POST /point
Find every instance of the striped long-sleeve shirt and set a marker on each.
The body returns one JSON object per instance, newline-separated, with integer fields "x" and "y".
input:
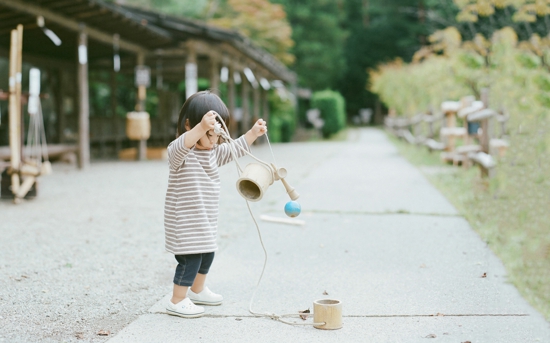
{"x": 192, "y": 198}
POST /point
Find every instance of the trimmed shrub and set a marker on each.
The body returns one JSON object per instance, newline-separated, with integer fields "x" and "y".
{"x": 282, "y": 119}
{"x": 333, "y": 110}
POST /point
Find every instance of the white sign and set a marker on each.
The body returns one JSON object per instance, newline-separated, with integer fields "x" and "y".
{"x": 143, "y": 76}
{"x": 34, "y": 90}
{"x": 191, "y": 83}
{"x": 82, "y": 54}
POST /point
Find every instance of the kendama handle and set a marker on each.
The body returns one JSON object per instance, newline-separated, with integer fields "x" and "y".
{"x": 290, "y": 190}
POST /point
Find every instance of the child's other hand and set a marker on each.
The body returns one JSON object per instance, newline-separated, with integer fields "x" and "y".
{"x": 208, "y": 121}
{"x": 259, "y": 128}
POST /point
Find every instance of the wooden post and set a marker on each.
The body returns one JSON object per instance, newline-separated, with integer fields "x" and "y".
{"x": 140, "y": 107}
{"x": 116, "y": 122}
{"x": 265, "y": 105}
{"x": 244, "y": 100}
{"x": 378, "y": 116}
{"x": 214, "y": 75}
{"x": 191, "y": 72}
{"x": 485, "y": 138}
{"x": 83, "y": 101}
{"x": 255, "y": 103}
{"x": 18, "y": 79}
{"x": 450, "y": 121}
{"x": 14, "y": 115}
{"x": 231, "y": 99}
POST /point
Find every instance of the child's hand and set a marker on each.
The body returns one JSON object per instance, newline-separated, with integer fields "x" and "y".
{"x": 208, "y": 121}
{"x": 259, "y": 128}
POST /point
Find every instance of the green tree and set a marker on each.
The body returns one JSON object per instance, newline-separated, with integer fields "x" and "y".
{"x": 320, "y": 38}
{"x": 261, "y": 21}
{"x": 380, "y": 31}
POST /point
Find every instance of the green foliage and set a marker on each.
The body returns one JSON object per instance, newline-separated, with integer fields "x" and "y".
{"x": 282, "y": 119}
{"x": 264, "y": 23}
{"x": 333, "y": 110}
{"x": 319, "y": 37}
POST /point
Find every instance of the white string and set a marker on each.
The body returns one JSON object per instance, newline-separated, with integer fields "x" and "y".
{"x": 225, "y": 134}
{"x": 269, "y": 145}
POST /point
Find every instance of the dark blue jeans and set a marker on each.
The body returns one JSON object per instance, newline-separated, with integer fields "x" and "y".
{"x": 190, "y": 265}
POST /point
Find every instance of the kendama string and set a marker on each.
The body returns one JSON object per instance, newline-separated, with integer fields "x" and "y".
{"x": 232, "y": 144}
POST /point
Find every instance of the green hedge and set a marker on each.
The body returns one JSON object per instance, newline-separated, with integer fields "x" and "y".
{"x": 282, "y": 119}
{"x": 333, "y": 110}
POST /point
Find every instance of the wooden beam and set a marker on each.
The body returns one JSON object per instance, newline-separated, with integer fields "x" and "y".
{"x": 231, "y": 99}
{"x": 25, "y": 7}
{"x": 84, "y": 103}
{"x": 191, "y": 71}
{"x": 214, "y": 74}
{"x": 14, "y": 116}
{"x": 140, "y": 107}
{"x": 244, "y": 104}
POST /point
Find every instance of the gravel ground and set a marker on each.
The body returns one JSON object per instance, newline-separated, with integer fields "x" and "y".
{"x": 87, "y": 255}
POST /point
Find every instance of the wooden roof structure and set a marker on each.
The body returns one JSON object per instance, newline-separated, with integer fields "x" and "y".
{"x": 96, "y": 34}
{"x": 138, "y": 31}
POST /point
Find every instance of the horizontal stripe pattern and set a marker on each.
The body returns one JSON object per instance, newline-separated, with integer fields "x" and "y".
{"x": 191, "y": 205}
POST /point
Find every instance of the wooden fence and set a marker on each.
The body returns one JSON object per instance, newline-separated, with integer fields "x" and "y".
{"x": 480, "y": 139}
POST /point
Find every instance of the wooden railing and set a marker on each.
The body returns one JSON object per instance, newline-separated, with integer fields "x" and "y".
{"x": 482, "y": 134}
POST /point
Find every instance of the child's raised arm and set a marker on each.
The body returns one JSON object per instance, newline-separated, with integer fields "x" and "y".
{"x": 179, "y": 148}
{"x": 259, "y": 129}
{"x": 192, "y": 135}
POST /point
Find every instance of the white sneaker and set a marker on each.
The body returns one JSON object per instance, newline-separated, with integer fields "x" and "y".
{"x": 184, "y": 308}
{"x": 206, "y": 297}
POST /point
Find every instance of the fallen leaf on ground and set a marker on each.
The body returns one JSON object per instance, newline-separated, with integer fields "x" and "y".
{"x": 104, "y": 333}
{"x": 304, "y": 317}
{"x": 440, "y": 314}
{"x": 432, "y": 335}
{"x": 325, "y": 293}
{"x": 484, "y": 275}
{"x": 467, "y": 342}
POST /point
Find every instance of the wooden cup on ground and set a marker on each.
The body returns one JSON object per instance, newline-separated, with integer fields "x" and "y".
{"x": 329, "y": 312}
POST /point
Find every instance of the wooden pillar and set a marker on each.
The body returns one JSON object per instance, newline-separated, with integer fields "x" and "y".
{"x": 255, "y": 103}
{"x": 114, "y": 104}
{"x": 14, "y": 114}
{"x": 142, "y": 90}
{"x": 231, "y": 99}
{"x": 83, "y": 101}
{"x": 450, "y": 122}
{"x": 245, "y": 108}
{"x": 58, "y": 94}
{"x": 214, "y": 75}
{"x": 265, "y": 105}
{"x": 486, "y": 128}
{"x": 140, "y": 107}
{"x": 191, "y": 71}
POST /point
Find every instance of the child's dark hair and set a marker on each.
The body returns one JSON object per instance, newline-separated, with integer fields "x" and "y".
{"x": 197, "y": 105}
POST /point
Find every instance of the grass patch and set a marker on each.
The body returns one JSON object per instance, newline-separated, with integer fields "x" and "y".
{"x": 506, "y": 211}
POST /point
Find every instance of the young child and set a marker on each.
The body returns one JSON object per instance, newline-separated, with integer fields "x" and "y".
{"x": 192, "y": 199}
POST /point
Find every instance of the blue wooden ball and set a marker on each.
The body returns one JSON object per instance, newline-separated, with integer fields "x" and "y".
{"x": 293, "y": 209}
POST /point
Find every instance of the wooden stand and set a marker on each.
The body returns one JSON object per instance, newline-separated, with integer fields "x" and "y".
{"x": 329, "y": 312}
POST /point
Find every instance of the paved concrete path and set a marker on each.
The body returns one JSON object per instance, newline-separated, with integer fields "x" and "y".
{"x": 378, "y": 237}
